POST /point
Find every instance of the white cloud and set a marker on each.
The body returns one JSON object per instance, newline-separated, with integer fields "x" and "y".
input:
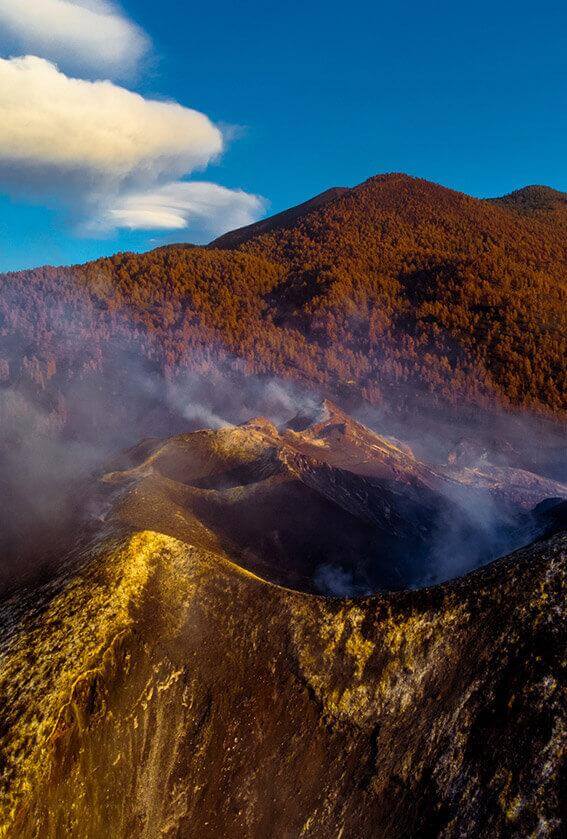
{"x": 68, "y": 125}
{"x": 112, "y": 157}
{"x": 89, "y": 35}
{"x": 212, "y": 208}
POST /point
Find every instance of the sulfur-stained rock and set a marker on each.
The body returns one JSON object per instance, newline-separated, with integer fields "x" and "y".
{"x": 158, "y": 689}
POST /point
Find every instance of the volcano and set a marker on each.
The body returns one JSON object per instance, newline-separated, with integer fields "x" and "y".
{"x": 324, "y": 504}
{"x": 283, "y": 527}
{"x": 241, "y": 643}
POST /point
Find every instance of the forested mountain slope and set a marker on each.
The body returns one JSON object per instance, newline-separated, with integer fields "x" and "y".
{"x": 397, "y": 290}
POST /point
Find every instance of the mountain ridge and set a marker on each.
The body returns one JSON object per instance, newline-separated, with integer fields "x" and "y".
{"x": 235, "y": 237}
{"x": 531, "y": 196}
{"x": 414, "y": 285}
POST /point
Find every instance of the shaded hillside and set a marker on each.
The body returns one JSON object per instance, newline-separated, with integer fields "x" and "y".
{"x": 399, "y": 292}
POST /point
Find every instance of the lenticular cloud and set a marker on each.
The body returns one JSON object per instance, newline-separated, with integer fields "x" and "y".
{"x": 212, "y": 208}
{"x": 52, "y": 121}
{"x": 114, "y": 158}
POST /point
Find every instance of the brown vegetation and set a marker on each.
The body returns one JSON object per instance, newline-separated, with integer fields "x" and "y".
{"x": 395, "y": 287}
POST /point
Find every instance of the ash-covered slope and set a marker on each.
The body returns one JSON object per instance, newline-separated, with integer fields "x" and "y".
{"x": 156, "y": 689}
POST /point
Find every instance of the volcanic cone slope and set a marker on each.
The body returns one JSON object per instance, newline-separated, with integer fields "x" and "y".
{"x": 155, "y": 689}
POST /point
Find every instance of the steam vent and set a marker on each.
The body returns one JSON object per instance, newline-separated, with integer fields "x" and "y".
{"x": 294, "y": 631}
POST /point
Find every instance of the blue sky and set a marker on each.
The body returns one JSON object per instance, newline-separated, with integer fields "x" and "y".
{"x": 308, "y": 95}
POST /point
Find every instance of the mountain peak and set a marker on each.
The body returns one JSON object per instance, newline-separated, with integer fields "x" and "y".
{"x": 533, "y": 198}
{"x": 400, "y": 182}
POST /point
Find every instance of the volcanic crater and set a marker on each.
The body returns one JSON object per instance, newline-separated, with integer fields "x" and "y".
{"x": 325, "y": 505}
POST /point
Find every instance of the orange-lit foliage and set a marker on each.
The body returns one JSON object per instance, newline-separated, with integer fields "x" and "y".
{"x": 398, "y": 286}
